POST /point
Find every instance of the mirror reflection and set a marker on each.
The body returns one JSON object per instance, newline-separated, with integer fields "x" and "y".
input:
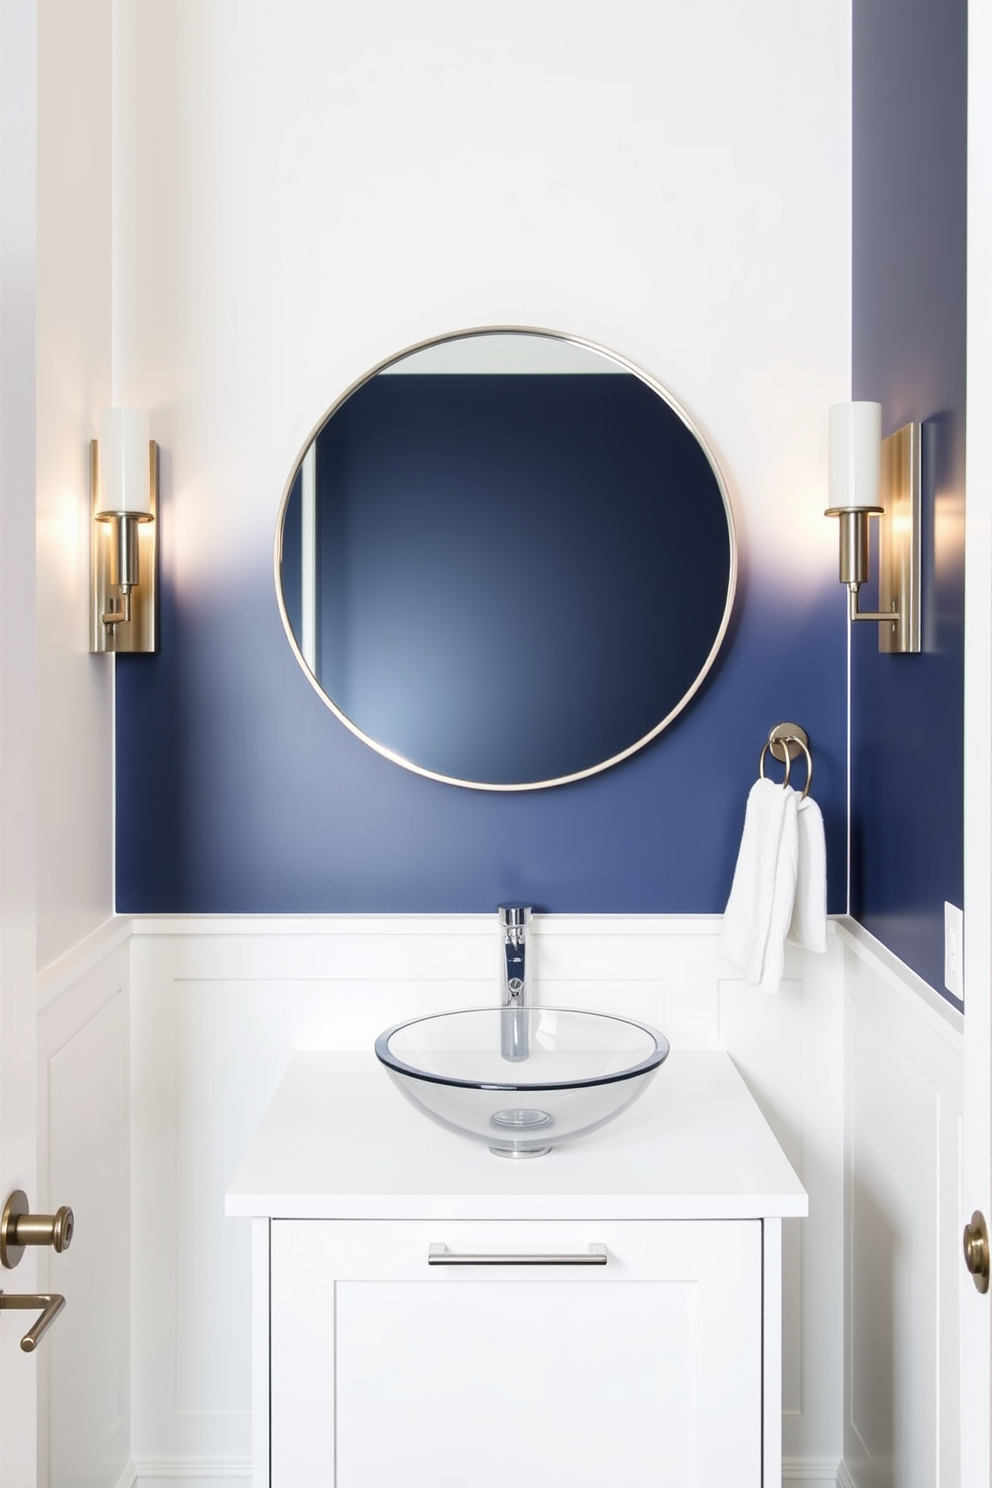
{"x": 506, "y": 559}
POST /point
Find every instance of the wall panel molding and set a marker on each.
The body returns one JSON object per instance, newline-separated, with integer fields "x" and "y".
{"x": 218, "y": 1007}
{"x": 814, "y": 1472}
{"x": 189, "y": 1474}
{"x": 213, "y": 1009}
{"x": 903, "y": 1105}
{"x": 166, "y": 1474}
{"x": 66, "y": 974}
{"x": 927, "y": 1008}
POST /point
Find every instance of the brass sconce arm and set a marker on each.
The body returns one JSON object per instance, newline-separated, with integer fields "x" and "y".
{"x": 853, "y": 613}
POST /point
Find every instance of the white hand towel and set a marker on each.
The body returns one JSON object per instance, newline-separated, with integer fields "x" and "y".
{"x": 809, "y": 914}
{"x": 759, "y": 910}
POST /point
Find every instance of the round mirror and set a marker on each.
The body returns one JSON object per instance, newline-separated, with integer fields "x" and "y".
{"x": 506, "y": 559}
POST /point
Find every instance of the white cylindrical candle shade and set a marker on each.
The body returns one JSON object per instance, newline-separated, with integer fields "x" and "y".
{"x": 855, "y": 454}
{"x": 123, "y": 462}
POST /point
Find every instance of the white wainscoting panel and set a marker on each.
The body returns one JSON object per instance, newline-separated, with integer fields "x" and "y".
{"x": 218, "y": 1007}
{"x": 903, "y": 1225}
{"x": 788, "y": 1048}
{"x": 84, "y": 1108}
{"x": 211, "y": 1010}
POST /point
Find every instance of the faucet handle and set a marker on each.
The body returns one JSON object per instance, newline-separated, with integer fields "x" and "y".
{"x": 514, "y": 914}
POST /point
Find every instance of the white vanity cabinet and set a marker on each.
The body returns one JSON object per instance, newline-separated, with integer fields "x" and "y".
{"x": 426, "y": 1315}
{"x": 388, "y": 1371}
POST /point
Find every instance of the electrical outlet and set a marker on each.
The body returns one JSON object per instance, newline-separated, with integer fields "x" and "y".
{"x": 954, "y": 950}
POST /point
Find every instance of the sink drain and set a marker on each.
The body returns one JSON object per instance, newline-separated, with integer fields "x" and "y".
{"x": 521, "y": 1120}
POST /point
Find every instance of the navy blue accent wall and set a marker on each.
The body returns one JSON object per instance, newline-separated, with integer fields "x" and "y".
{"x": 910, "y": 83}
{"x": 264, "y": 802}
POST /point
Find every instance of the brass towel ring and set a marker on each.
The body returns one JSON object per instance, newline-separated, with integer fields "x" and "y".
{"x": 786, "y": 741}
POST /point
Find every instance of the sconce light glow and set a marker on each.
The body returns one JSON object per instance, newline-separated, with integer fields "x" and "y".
{"x": 123, "y": 539}
{"x": 864, "y": 472}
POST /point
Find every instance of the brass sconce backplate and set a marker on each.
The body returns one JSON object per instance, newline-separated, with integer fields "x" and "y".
{"x": 140, "y": 632}
{"x": 900, "y": 540}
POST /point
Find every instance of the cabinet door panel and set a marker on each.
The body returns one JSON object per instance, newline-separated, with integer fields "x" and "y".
{"x": 645, "y": 1373}
{"x": 514, "y": 1384}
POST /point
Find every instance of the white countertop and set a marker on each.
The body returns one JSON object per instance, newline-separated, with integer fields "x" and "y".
{"x": 339, "y": 1141}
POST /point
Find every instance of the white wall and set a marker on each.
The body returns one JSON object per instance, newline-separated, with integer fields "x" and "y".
{"x": 75, "y": 738}
{"x": 304, "y": 188}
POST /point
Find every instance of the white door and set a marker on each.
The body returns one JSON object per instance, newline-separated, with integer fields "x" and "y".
{"x": 18, "y": 1370}
{"x": 976, "y": 1373}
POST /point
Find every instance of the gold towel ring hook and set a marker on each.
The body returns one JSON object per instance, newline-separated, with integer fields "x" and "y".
{"x": 786, "y": 741}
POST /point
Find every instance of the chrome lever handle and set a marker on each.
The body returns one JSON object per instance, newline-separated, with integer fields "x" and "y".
{"x": 19, "y": 1227}
{"x": 440, "y": 1255}
{"x": 52, "y": 1304}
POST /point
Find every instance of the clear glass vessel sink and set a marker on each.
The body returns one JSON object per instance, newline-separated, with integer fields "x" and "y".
{"x": 582, "y": 1070}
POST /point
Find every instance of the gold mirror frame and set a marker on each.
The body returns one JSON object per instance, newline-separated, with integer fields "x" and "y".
{"x": 627, "y": 366}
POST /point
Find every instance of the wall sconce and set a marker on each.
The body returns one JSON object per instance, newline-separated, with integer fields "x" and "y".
{"x": 872, "y": 477}
{"x": 123, "y": 534}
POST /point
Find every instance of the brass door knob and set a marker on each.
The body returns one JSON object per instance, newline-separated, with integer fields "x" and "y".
{"x": 19, "y": 1227}
{"x": 976, "y": 1250}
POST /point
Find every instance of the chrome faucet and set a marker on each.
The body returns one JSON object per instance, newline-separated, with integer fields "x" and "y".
{"x": 514, "y": 981}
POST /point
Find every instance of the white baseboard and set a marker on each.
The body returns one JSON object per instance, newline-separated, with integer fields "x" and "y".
{"x": 815, "y": 1472}
{"x": 172, "y": 1474}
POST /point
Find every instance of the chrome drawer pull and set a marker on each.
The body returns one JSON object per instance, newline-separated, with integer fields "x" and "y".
{"x": 440, "y": 1255}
